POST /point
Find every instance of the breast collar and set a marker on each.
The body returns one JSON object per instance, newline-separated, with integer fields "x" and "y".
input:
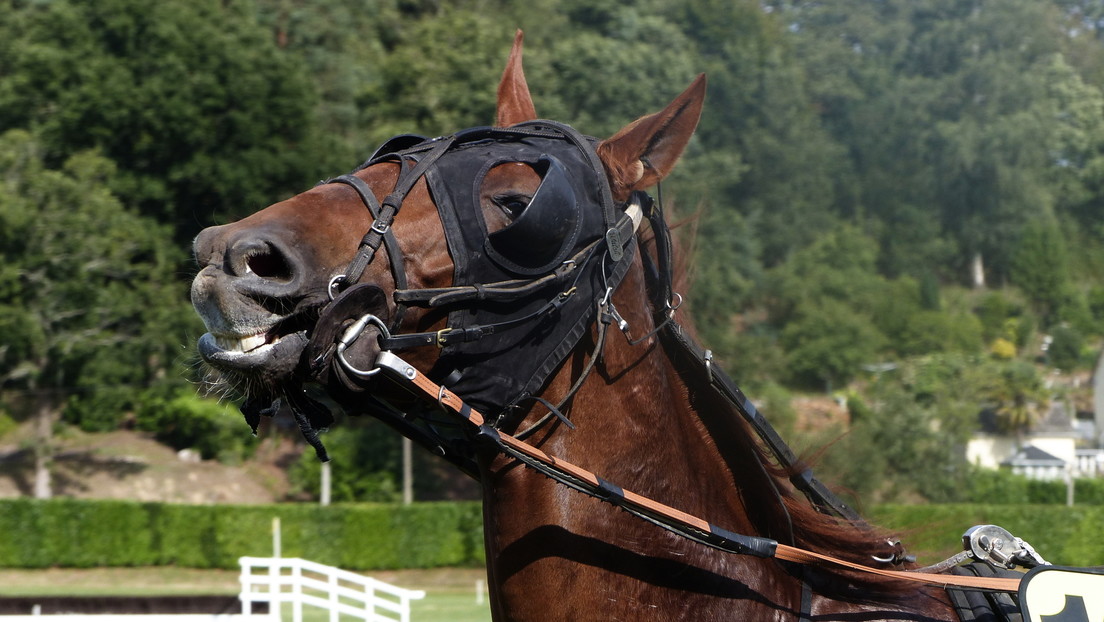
{"x": 523, "y": 296}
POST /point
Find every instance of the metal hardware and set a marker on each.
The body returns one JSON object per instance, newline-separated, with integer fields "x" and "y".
{"x": 350, "y": 336}
{"x": 997, "y": 547}
{"x": 439, "y": 339}
{"x": 334, "y": 283}
{"x": 387, "y": 361}
{"x": 674, "y": 303}
{"x": 614, "y": 244}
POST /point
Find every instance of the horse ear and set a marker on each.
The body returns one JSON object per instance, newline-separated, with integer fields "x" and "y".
{"x": 646, "y": 150}
{"x": 514, "y": 102}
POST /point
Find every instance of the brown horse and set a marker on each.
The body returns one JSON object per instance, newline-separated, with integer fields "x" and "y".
{"x": 535, "y": 274}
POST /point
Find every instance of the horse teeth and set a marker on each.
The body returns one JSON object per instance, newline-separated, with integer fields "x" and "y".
{"x": 241, "y": 344}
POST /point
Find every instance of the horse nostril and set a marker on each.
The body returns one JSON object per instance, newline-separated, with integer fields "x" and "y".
{"x": 258, "y": 256}
{"x": 268, "y": 265}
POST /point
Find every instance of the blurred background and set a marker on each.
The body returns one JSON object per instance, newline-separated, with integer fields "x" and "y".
{"x": 893, "y": 212}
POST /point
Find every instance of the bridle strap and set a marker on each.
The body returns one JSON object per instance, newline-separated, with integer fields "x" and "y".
{"x": 369, "y": 244}
{"x": 507, "y": 291}
{"x": 667, "y": 517}
{"x": 384, "y": 213}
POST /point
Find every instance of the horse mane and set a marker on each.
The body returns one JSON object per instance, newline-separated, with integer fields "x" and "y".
{"x": 773, "y": 505}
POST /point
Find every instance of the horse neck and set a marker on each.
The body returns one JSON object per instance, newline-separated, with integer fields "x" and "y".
{"x": 555, "y": 554}
{"x": 636, "y": 424}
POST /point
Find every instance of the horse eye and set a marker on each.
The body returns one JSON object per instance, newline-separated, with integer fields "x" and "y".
{"x": 512, "y": 204}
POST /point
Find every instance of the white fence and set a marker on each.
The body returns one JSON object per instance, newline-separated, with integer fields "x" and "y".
{"x": 291, "y": 581}
{"x": 299, "y": 582}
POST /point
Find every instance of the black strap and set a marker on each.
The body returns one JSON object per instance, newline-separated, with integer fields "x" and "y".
{"x": 659, "y": 283}
{"x": 983, "y": 606}
{"x": 388, "y": 209}
{"x": 447, "y": 336}
{"x": 806, "y": 599}
{"x": 394, "y": 251}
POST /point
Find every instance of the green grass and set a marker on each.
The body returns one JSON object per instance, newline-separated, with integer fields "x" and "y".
{"x": 450, "y": 592}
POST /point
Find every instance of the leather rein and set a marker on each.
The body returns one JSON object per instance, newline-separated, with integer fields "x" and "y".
{"x": 667, "y": 517}
{"x": 486, "y": 433}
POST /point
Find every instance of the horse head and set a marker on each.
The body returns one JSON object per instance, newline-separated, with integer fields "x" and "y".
{"x": 427, "y": 243}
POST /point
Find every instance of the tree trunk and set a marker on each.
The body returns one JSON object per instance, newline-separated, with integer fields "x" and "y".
{"x": 43, "y": 446}
{"x": 977, "y": 272}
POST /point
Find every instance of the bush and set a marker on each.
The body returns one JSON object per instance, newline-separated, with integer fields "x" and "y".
{"x": 83, "y": 534}
{"x": 928, "y": 332}
{"x": 1002, "y": 349}
{"x": 1065, "y": 349}
{"x": 1065, "y": 536}
{"x": 365, "y": 467}
{"x": 187, "y": 421}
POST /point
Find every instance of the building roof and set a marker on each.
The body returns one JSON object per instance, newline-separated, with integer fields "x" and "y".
{"x": 1029, "y": 455}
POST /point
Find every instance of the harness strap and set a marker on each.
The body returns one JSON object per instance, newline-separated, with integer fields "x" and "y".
{"x": 385, "y": 213}
{"x": 664, "y": 516}
{"x": 369, "y": 244}
{"x": 446, "y": 295}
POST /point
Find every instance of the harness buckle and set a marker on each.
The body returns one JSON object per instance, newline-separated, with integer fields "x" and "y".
{"x": 380, "y": 227}
{"x": 439, "y": 340}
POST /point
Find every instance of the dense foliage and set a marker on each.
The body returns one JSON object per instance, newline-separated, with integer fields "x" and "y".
{"x": 909, "y": 186}
{"x": 72, "y": 533}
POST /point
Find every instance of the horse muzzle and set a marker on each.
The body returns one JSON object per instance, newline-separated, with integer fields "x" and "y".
{"x": 258, "y": 299}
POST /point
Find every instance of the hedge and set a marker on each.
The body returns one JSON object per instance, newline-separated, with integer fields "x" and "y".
{"x": 991, "y": 486}
{"x": 78, "y": 533}
{"x": 82, "y": 534}
{"x": 1071, "y": 536}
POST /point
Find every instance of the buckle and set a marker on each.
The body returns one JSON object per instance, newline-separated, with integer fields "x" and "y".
{"x": 439, "y": 340}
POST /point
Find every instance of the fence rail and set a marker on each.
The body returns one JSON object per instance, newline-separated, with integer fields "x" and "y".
{"x": 299, "y": 582}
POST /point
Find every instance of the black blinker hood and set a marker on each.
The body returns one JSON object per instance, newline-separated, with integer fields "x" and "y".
{"x": 571, "y": 209}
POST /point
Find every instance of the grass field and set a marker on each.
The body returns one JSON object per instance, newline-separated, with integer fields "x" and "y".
{"x": 450, "y": 592}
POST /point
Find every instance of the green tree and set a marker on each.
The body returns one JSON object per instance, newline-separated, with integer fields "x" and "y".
{"x": 909, "y": 431}
{"x": 1040, "y": 267}
{"x": 958, "y": 137}
{"x": 1018, "y": 396}
{"x": 785, "y": 173}
{"x": 827, "y": 343}
{"x": 365, "y": 464}
{"x": 204, "y": 117}
{"x": 88, "y": 295}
